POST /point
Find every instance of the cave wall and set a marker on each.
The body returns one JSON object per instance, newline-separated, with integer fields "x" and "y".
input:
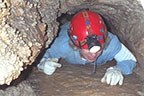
{"x": 21, "y": 37}
{"x": 28, "y": 26}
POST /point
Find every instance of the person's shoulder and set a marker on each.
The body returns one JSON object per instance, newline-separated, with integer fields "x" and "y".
{"x": 112, "y": 35}
{"x": 64, "y": 30}
{"x": 65, "y": 25}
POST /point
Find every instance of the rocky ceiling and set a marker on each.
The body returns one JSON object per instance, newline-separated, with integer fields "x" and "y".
{"x": 28, "y": 26}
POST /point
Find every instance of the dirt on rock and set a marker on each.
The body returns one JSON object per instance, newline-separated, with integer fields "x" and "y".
{"x": 78, "y": 80}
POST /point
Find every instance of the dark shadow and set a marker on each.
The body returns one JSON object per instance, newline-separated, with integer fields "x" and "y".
{"x": 23, "y": 76}
{"x": 25, "y": 73}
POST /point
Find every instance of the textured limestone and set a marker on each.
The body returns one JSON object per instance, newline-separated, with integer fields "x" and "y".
{"x": 49, "y": 10}
{"x": 21, "y": 37}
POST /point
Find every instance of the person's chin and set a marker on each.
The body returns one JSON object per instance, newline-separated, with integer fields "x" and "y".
{"x": 91, "y": 60}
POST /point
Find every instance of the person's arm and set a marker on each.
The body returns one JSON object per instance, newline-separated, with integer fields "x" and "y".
{"x": 49, "y": 61}
{"x": 126, "y": 61}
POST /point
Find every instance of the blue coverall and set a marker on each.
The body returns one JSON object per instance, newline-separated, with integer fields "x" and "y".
{"x": 60, "y": 48}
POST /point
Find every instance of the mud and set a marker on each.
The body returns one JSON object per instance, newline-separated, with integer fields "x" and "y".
{"x": 78, "y": 80}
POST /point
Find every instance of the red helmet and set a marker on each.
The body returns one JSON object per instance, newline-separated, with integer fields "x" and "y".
{"x": 86, "y": 28}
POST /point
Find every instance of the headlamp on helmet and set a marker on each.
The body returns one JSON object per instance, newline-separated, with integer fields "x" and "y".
{"x": 93, "y": 44}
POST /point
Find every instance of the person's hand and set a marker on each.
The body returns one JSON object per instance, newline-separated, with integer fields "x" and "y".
{"x": 48, "y": 66}
{"x": 113, "y": 76}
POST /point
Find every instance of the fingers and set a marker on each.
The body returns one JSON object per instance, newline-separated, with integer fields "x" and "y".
{"x": 103, "y": 80}
{"x": 53, "y": 64}
{"x": 53, "y": 59}
{"x": 121, "y": 80}
{"x": 112, "y": 77}
{"x": 50, "y": 67}
{"x": 114, "y": 80}
{"x": 56, "y": 64}
{"x": 109, "y": 78}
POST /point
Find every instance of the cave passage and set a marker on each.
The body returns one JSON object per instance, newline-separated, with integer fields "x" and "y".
{"x": 30, "y": 26}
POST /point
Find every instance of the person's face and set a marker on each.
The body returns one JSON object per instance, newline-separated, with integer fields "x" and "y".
{"x": 89, "y": 56}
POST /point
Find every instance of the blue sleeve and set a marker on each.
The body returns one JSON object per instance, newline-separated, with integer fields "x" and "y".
{"x": 126, "y": 66}
{"x": 126, "y": 61}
